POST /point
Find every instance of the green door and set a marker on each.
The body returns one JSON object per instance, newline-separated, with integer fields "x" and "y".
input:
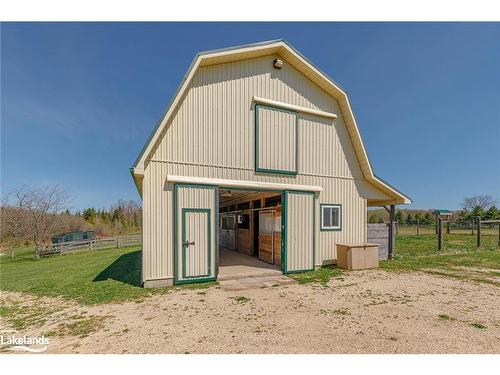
{"x": 195, "y": 233}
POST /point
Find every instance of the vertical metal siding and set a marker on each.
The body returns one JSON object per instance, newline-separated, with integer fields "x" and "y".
{"x": 299, "y": 232}
{"x": 212, "y": 135}
{"x": 277, "y": 146}
{"x": 214, "y": 125}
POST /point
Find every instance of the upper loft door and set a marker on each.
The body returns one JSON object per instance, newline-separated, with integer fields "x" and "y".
{"x": 276, "y": 136}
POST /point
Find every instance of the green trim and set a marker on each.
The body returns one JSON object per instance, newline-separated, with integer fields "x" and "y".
{"x": 256, "y": 142}
{"x": 284, "y": 231}
{"x": 339, "y": 205}
{"x": 208, "y": 211}
{"x": 284, "y": 239}
{"x": 176, "y": 226}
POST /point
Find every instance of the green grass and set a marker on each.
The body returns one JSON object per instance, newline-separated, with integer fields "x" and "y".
{"x": 241, "y": 299}
{"x": 459, "y": 253}
{"x": 320, "y": 276}
{"x": 81, "y": 327}
{"x": 103, "y": 276}
{"x": 444, "y": 317}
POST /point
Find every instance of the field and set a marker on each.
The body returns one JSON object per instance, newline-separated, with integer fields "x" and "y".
{"x": 423, "y": 301}
{"x": 102, "y": 276}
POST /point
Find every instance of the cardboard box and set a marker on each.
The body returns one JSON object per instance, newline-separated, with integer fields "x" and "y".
{"x": 357, "y": 257}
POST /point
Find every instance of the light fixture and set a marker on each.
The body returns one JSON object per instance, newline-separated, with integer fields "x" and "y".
{"x": 278, "y": 63}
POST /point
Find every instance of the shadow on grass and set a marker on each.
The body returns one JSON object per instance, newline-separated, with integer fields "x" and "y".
{"x": 126, "y": 269}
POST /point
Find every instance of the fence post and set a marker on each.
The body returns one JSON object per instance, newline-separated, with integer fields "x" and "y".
{"x": 472, "y": 226}
{"x": 440, "y": 233}
{"x": 478, "y": 240}
{"x": 418, "y": 227}
{"x": 117, "y": 242}
{"x": 448, "y": 227}
{"x": 90, "y": 243}
{"x": 391, "y": 246}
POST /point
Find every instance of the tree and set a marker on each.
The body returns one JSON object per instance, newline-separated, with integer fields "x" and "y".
{"x": 419, "y": 217}
{"x": 428, "y": 219}
{"x": 409, "y": 219}
{"x": 374, "y": 219}
{"x": 35, "y": 213}
{"x": 492, "y": 214}
{"x": 399, "y": 217}
{"x": 480, "y": 201}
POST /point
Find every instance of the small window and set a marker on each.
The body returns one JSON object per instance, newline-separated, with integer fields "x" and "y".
{"x": 331, "y": 217}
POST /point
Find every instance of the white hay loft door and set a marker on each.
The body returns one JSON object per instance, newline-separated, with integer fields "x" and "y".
{"x": 195, "y": 233}
{"x": 299, "y": 227}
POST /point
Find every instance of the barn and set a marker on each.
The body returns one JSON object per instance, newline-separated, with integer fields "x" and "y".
{"x": 256, "y": 164}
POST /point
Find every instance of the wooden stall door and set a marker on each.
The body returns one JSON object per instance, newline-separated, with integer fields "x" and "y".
{"x": 266, "y": 234}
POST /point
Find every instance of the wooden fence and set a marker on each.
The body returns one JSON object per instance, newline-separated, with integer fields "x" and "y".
{"x": 91, "y": 245}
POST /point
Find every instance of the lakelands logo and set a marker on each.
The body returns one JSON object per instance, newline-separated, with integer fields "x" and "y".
{"x": 25, "y": 343}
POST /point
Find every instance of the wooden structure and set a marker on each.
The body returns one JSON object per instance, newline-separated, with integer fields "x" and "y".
{"x": 241, "y": 124}
{"x": 250, "y": 223}
{"x": 90, "y": 244}
{"x": 478, "y": 232}
{"x": 444, "y": 214}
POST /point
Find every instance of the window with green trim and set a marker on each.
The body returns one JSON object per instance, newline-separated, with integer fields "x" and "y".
{"x": 331, "y": 217}
{"x": 275, "y": 140}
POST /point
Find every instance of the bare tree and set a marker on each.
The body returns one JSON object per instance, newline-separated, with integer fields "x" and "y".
{"x": 481, "y": 201}
{"x": 34, "y": 214}
{"x": 12, "y": 228}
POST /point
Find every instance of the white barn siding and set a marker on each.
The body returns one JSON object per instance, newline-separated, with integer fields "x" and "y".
{"x": 211, "y": 134}
{"x": 277, "y": 139}
{"x": 214, "y": 125}
{"x": 299, "y": 240}
{"x": 158, "y": 220}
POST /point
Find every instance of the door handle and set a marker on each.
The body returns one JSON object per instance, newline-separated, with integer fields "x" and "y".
{"x": 187, "y": 243}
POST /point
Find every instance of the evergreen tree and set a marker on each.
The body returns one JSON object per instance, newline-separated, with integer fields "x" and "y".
{"x": 399, "y": 217}
{"x": 493, "y": 213}
{"x": 409, "y": 219}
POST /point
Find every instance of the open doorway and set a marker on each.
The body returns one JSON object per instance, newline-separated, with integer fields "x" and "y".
{"x": 249, "y": 232}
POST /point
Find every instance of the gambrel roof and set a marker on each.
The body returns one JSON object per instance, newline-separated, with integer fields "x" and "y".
{"x": 303, "y": 65}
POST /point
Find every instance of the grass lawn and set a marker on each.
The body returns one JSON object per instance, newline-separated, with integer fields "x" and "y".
{"x": 459, "y": 259}
{"x": 102, "y": 276}
{"x": 114, "y": 275}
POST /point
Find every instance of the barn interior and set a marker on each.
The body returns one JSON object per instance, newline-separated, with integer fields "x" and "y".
{"x": 249, "y": 233}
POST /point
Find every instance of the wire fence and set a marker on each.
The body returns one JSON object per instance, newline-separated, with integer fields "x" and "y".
{"x": 487, "y": 229}
{"x": 484, "y": 234}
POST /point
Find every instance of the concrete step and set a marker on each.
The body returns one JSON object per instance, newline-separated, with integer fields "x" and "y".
{"x": 255, "y": 282}
{"x": 250, "y": 274}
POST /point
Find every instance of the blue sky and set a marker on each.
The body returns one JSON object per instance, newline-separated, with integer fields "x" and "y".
{"x": 79, "y": 100}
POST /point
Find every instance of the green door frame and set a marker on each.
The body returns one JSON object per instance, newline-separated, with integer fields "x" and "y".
{"x": 176, "y": 226}
{"x": 284, "y": 214}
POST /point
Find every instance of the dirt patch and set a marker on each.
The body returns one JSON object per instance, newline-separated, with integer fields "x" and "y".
{"x": 364, "y": 312}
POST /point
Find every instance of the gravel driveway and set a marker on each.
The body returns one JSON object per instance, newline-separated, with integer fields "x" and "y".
{"x": 365, "y": 312}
